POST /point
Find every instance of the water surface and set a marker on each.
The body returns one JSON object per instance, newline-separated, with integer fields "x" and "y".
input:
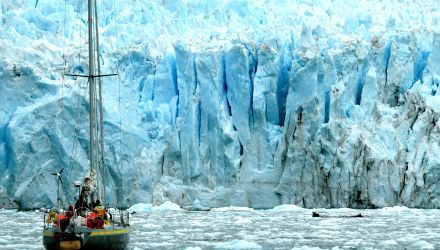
{"x": 392, "y": 228}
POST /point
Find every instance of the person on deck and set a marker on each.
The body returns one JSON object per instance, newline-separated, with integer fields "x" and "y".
{"x": 64, "y": 219}
{"x": 98, "y": 205}
{"x": 95, "y": 220}
{"x": 81, "y": 205}
{"x": 70, "y": 212}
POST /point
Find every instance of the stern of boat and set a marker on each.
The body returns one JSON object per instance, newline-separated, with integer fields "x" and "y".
{"x": 114, "y": 236}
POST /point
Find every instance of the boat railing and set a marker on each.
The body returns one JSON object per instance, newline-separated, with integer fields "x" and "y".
{"x": 118, "y": 217}
{"x": 115, "y": 217}
{"x": 47, "y": 225}
{"x": 125, "y": 218}
{"x": 52, "y": 219}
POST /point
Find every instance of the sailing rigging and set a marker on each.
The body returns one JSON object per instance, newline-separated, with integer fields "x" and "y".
{"x": 91, "y": 224}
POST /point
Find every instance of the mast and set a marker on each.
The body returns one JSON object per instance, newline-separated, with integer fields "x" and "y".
{"x": 91, "y": 93}
{"x": 101, "y": 113}
{"x": 96, "y": 145}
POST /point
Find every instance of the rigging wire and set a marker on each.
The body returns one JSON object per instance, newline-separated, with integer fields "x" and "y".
{"x": 62, "y": 74}
{"x": 97, "y": 107}
{"x": 80, "y": 92}
{"x": 120, "y": 132}
{"x": 120, "y": 136}
{"x": 94, "y": 167}
{"x": 78, "y": 114}
{"x": 119, "y": 103}
{"x": 100, "y": 103}
{"x": 80, "y": 30}
{"x": 96, "y": 145}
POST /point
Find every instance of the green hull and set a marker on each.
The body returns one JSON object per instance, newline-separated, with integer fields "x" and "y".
{"x": 103, "y": 239}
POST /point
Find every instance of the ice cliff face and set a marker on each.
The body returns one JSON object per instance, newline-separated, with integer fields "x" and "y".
{"x": 256, "y": 104}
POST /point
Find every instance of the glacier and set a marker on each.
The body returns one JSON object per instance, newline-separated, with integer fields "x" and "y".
{"x": 227, "y": 103}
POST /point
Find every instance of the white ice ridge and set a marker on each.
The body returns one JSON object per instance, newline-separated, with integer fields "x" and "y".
{"x": 231, "y": 103}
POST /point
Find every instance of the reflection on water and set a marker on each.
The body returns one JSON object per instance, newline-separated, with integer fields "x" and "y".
{"x": 394, "y": 228}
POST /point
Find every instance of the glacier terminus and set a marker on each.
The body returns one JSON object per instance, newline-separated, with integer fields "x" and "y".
{"x": 227, "y": 102}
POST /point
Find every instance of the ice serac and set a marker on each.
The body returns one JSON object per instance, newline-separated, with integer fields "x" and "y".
{"x": 219, "y": 145}
{"x": 189, "y": 113}
{"x": 232, "y": 103}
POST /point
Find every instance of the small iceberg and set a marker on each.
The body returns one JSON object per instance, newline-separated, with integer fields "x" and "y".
{"x": 285, "y": 208}
{"x": 421, "y": 244}
{"x": 396, "y": 209}
{"x": 193, "y": 248}
{"x": 167, "y": 206}
{"x": 140, "y": 207}
{"x": 238, "y": 244}
{"x": 232, "y": 208}
{"x": 197, "y": 207}
{"x": 388, "y": 244}
{"x": 147, "y": 207}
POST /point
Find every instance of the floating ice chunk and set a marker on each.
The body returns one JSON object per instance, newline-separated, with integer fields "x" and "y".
{"x": 238, "y": 244}
{"x": 197, "y": 204}
{"x": 231, "y": 208}
{"x": 420, "y": 244}
{"x": 396, "y": 209}
{"x": 340, "y": 210}
{"x": 167, "y": 206}
{"x": 306, "y": 248}
{"x": 140, "y": 207}
{"x": 162, "y": 244}
{"x": 388, "y": 244}
{"x": 193, "y": 248}
{"x": 285, "y": 207}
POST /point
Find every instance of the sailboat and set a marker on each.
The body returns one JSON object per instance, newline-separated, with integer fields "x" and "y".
{"x": 89, "y": 224}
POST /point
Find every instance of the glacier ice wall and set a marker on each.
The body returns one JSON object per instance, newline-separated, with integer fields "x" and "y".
{"x": 234, "y": 102}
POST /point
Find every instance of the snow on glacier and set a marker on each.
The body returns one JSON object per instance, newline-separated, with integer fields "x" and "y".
{"x": 231, "y": 103}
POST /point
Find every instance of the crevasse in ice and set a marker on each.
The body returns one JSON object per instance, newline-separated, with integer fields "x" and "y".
{"x": 231, "y": 103}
